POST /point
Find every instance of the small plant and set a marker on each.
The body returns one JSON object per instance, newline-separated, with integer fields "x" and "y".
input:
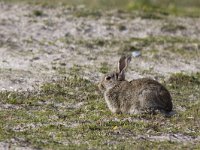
{"x": 88, "y": 13}
{"x": 122, "y": 27}
{"x": 173, "y": 28}
{"x": 104, "y": 68}
{"x": 38, "y": 13}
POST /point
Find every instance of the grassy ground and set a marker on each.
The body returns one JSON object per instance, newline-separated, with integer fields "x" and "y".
{"x": 70, "y": 113}
{"x": 151, "y": 7}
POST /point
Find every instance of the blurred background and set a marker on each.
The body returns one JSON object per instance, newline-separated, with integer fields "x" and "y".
{"x": 119, "y": 3}
{"x": 190, "y": 7}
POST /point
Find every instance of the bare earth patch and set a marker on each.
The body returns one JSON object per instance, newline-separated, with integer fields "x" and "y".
{"x": 35, "y": 48}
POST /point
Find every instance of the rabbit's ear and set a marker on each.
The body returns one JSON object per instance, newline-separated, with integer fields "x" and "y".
{"x": 122, "y": 65}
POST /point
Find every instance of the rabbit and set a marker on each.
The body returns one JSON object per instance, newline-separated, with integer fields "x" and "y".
{"x": 134, "y": 97}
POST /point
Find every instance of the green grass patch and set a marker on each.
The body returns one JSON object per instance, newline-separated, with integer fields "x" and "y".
{"x": 152, "y": 9}
{"x": 87, "y": 13}
{"x": 72, "y": 113}
{"x": 172, "y": 28}
{"x": 185, "y": 47}
{"x": 180, "y": 46}
{"x": 104, "y": 68}
{"x": 184, "y": 89}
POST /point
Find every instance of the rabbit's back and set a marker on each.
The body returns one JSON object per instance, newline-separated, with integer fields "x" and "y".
{"x": 151, "y": 95}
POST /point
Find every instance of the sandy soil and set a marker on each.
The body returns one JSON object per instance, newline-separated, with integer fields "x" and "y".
{"x": 32, "y": 48}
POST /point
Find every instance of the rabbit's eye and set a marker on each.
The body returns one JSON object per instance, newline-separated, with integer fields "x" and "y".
{"x": 108, "y": 78}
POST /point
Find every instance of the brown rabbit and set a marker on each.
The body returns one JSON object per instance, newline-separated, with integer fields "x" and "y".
{"x": 136, "y": 96}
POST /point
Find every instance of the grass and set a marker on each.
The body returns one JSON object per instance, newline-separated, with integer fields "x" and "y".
{"x": 126, "y": 43}
{"x": 172, "y": 28}
{"x": 38, "y": 13}
{"x": 151, "y": 8}
{"x": 181, "y": 46}
{"x": 88, "y": 13}
{"x": 72, "y": 113}
{"x": 104, "y": 68}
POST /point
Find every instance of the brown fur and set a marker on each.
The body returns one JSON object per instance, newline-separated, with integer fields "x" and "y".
{"x": 136, "y": 96}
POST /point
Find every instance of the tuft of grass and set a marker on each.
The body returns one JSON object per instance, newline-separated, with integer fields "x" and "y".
{"x": 88, "y": 13}
{"x": 76, "y": 69}
{"x": 104, "y": 68}
{"x": 122, "y": 27}
{"x": 38, "y": 13}
{"x": 173, "y": 28}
